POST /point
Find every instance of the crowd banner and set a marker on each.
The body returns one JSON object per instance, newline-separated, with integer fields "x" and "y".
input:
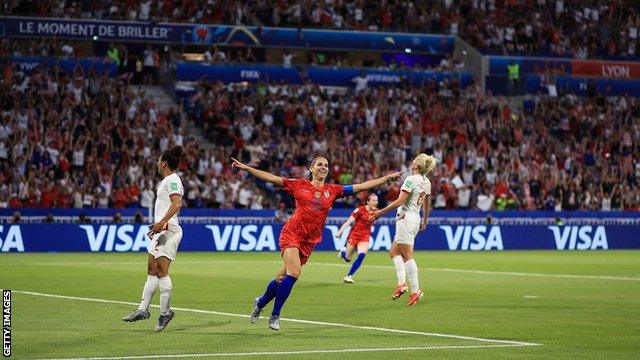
{"x": 239, "y": 231}
{"x": 27, "y": 64}
{"x": 567, "y": 67}
{"x": 581, "y": 86}
{"x": 323, "y": 75}
{"x": 223, "y": 35}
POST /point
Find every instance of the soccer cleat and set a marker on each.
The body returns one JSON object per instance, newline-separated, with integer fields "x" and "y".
{"x": 255, "y": 313}
{"x": 342, "y": 255}
{"x": 274, "y": 322}
{"x": 400, "y": 289}
{"x": 348, "y": 280}
{"x": 137, "y": 315}
{"x": 413, "y": 299}
{"x": 163, "y": 321}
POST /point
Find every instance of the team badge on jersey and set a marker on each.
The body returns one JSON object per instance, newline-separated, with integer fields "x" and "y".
{"x": 317, "y": 194}
{"x": 326, "y": 194}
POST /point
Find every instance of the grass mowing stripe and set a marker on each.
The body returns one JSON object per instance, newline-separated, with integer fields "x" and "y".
{"x": 461, "y": 337}
{"x": 468, "y": 271}
{"x": 508, "y": 273}
{"x": 301, "y": 352}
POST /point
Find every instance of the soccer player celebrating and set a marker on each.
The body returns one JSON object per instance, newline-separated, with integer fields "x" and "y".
{"x": 359, "y": 235}
{"x": 165, "y": 235}
{"x": 303, "y": 231}
{"x": 415, "y": 193}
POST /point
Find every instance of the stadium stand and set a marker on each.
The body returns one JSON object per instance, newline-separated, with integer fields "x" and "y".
{"x": 568, "y": 28}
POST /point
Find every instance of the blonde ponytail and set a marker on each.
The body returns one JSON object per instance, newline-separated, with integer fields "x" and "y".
{"x": 425, "y": 163}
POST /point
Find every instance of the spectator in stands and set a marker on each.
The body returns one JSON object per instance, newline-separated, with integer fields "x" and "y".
{"x": 282, "y": 215}
{"x": 565, "y": 28}
{"x": 487, "y": 146}
{"x": 17, "y": 218}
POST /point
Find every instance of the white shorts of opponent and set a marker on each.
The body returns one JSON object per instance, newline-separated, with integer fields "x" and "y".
{"x": 407, "y": 227}
{"x": 166, "y": 242}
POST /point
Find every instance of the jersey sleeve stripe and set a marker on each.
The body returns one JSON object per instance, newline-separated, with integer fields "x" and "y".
{"x": 406, "y": 191}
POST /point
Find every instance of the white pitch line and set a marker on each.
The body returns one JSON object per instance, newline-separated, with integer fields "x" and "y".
{"x": 140, "y": 262}
{"x": 397, "y": 331}
{"x": 300, "y": 352}
{"x": 507, "y": 273}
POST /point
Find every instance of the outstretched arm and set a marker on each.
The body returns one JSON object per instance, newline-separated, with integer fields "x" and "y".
{"x": 370, "y": 184}
{"x": 345, "y": 226}
{"x": 394, "y": 205}
{"x": 262, "y": 175}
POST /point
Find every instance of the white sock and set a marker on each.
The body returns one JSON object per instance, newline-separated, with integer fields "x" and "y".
{"x": 165, "y": 294}
{"x": 147, "y": 292}
{"x": 400, "y": 271}
{"x": 412, "y": 274}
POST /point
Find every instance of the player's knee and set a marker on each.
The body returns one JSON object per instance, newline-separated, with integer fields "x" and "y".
{"x": 279, "y": 278}
{"x": 294, "y": 271}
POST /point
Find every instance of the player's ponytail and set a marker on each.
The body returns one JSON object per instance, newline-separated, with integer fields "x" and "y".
{"x": 425, "y": 163}
{"x": 172, "y": 156}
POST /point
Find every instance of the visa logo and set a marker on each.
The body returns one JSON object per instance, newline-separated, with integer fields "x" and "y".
{"x": 243, "y": 238}
{"x": 12, "y": 240}
{"x": 117, "y": 237}
{"x": 469, "y": 237}
{"x": 579, "y": 237}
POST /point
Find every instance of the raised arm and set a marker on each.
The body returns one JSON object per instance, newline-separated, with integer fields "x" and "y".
{"x": 344, "y": 226}
{"x": 394, "y": 205}
{"x": 262, "y": 175}
{"x": 370, "y": 184}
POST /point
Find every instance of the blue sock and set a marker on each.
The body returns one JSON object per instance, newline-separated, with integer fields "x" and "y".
{"x": 269, "y": 294}
{"x": 343, "y": 254}
{"x": 283, "y": 293}
{"x": 357, "y": 263}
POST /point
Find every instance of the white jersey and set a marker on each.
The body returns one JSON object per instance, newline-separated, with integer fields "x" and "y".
{"x": 418, "y": 187}
{"x": 168, "y": 186}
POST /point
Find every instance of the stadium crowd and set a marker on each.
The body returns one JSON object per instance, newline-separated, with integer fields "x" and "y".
{"x": 574, "y": 28}
{"x": 86, "y": 140}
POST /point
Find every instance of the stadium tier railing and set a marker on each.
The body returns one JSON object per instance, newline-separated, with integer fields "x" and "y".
{"x": 233, "y": 35}
{"x": 323, "y": 75}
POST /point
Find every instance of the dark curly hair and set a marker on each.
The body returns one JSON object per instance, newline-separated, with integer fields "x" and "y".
{"x": 172, "y": 156}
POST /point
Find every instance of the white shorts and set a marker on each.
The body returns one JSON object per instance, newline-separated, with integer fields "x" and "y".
{"x": 407, "y": 228}
{"x": 166, "y": 243}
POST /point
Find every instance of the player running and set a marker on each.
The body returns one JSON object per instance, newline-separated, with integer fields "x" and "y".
{"x": 359, "y": 235}
{"x": 415, "y": 193}
{"x": 165, "y": 235}
{"x": 303, "y": 231}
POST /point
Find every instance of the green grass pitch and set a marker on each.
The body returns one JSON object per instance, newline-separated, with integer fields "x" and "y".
{"x": 488, "y": 305}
